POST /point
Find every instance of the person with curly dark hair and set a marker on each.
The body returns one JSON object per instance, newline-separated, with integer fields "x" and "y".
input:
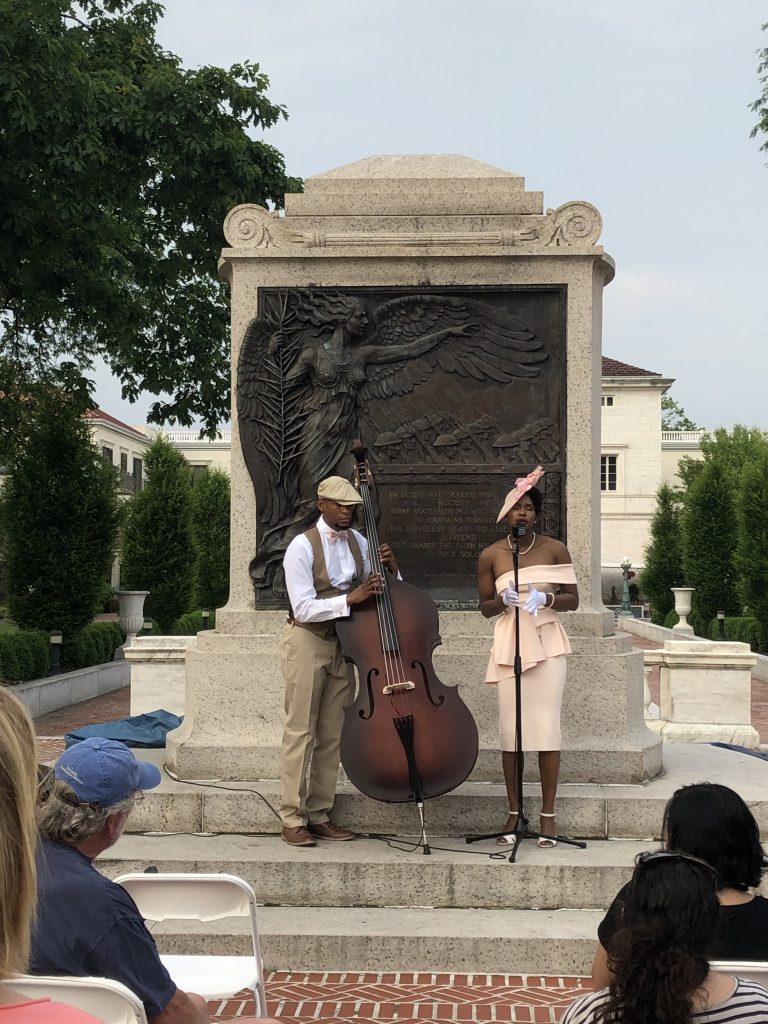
{"x": 711, "y": 822}
{"x": 658, "y": 957}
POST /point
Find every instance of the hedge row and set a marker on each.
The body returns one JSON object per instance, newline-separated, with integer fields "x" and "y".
{"x": 95, "y": 644}
{"x": 742, "y": 628}
{"x": 24, "y": 655}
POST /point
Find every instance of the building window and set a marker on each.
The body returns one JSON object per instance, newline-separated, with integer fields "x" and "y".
{"x": 138, "y": 475}
{"x": 124, "y": 462}
{"x": 106, "y": 454}
{"x": 199, "y": 470}
{"x": 606, "y": 400}
{"x": 608, "y": 472}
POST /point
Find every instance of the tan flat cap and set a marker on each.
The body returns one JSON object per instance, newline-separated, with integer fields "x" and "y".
{"x": 338, "y": 489}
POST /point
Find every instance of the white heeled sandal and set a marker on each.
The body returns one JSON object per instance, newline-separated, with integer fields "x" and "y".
{"x": 546, "y": 842}
{"x": 509, "y": 839}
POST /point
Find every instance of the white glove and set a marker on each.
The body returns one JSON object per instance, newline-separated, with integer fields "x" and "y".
{"x": 536, "y": 599}
{"x": 510, "y": 596}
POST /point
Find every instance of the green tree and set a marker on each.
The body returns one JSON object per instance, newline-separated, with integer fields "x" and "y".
{"x": 673, "y": 415}
{"x": 734, "y": 450}
{"x": 663, "y": 556}
{"x": 752, "y": 546}
{"x": 210, "y": 524}
{"x": 117, "y": 169}
{"x": 58, "y": 517}
{"x": 709, "y": 542}
{"x": 760, "y": 106}
{"x": 158, "y": 543}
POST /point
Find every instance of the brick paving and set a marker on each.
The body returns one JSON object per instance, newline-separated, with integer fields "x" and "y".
{"x": 332, "y": 996}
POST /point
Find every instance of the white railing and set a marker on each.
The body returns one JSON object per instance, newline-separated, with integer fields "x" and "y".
{"x": 691, "y": 437}
{"x": 192, "y": 437}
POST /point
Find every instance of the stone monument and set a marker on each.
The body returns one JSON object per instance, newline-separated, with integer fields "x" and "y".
{"x": 430, "y": 305}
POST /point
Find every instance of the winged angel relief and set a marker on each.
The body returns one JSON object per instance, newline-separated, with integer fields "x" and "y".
{"x": 311, "y": 362}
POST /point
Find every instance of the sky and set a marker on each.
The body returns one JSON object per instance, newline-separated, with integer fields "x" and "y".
{"x": 640, "y": 109}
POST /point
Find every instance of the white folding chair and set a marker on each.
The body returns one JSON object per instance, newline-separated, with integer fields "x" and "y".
{"x": 105, "y": 999}
{"x": 191, "y": 897}
{"x": 749, "y": 970}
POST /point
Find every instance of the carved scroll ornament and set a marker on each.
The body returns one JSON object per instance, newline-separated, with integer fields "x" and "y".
{"x": 573, "y": 224}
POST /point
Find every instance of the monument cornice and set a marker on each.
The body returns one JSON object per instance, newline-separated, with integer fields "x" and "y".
{"x": 570, "y": 230}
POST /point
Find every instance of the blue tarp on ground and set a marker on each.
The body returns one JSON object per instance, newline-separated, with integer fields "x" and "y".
{"x": 147, "y": 730}
{"x": 762, "y": 754}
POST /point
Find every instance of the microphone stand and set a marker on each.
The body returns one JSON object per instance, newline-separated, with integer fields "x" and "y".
{"x": 521, "y": 830}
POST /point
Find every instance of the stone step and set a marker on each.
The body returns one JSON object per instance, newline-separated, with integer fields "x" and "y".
{"x": 375, "y": 873}
{"x": 585, "y": 810}
{"x": 384, "y": 939}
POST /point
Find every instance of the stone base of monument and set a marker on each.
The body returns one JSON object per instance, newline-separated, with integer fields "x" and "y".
{"x": 233, "y": 731}
{"x": 371, "y": 906}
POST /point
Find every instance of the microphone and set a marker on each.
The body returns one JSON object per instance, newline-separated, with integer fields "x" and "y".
{"x": 519, "y": 530}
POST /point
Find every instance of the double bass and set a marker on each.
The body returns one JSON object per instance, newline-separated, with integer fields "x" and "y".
{"x": 407, "y": 736}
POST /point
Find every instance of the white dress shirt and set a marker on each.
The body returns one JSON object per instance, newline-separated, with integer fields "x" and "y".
{"x": 340, "y": 563}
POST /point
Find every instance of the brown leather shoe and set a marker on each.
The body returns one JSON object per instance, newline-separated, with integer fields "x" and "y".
{"x": 297, "y": 836}
{"x": 333, "y": 833}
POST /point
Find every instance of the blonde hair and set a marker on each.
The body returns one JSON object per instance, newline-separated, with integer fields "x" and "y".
{"x": 18, "y": 833}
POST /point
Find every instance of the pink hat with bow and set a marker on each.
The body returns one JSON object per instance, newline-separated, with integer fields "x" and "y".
{"x": 523, "y": 484}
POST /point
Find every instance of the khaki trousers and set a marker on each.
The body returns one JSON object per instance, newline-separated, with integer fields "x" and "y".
{"x": 317, "y": 689}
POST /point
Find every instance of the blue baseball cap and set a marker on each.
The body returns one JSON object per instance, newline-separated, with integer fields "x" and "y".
{"x": 102, "y": 771}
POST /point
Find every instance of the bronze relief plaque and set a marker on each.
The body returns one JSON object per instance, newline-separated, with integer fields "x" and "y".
{"x": 455, "y": 392}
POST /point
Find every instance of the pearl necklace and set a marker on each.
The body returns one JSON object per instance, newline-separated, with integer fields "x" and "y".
{"x": 509, "y": 541}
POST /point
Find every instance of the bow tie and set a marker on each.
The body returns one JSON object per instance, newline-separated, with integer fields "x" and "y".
{"x": 335, "y": 535}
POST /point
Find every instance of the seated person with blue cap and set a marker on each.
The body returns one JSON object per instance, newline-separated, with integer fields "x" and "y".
{"x": 86, "y": 924}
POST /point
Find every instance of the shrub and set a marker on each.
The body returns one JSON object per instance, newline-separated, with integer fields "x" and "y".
{"x": 24, "y": 658}
{"x": 663, "y": 559}
{"x": 158, "y": 544}
{"x": 192, "y": 623}
{"x": 58, "y": 517}
{"x": 744, "y": 629}
{"x": 24, "y": 655}
{"x": 38, "y": 647}
{"x": 9, "y": 665}
{"x": 752, "y": 546}
{"x": 210, "y": 524}
{"x": 695, "y": 620}
{"x": 708, "y": 545}
{"x": 95, "y": 644}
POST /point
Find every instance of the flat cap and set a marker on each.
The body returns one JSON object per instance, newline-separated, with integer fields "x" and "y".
{"x": 338, "y": 489}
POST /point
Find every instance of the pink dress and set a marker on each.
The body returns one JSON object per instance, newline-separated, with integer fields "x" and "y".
{"x": 543, "y": 646}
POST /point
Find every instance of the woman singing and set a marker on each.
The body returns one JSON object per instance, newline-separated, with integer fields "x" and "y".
{"x": 547, "y": 586}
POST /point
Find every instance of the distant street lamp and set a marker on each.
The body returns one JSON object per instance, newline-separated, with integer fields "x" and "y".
{"x": 721, "y": 625}
{"x": 626, "y": 567}
{"x": 55, "y": 640}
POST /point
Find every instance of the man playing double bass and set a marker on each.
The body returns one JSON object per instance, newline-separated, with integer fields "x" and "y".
{"x": 327, "y": 571}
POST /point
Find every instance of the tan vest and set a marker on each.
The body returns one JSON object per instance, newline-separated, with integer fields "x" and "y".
{"x": 323, "y": 586}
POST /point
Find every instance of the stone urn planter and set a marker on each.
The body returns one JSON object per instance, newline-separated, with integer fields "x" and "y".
{"x": 131, "y": 611}
{"x": 683, "y": 608}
